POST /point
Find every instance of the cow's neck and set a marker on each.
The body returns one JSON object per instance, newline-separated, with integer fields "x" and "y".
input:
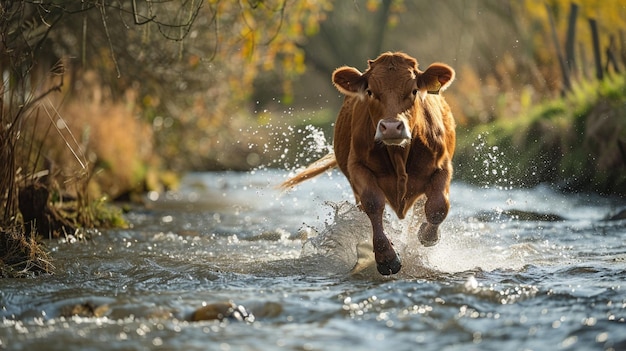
{"x": 398, "y": 156}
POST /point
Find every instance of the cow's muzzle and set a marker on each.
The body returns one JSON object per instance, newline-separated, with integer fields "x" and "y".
{"x": 392, "y": 132}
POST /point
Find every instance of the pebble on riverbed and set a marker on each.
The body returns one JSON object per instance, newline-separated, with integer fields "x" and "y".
{"x": 87, "y": 309}
{"x": 221, "y": 311}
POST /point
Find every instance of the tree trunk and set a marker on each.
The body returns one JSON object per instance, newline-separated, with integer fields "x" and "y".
{"x": 570, "y": 41}
{"x": 380, "y": 28}
{"x": 622, "y": 50}
{"x": 611, "y": 59}
{"x": 567, "y": 85}
{"x": 596, "y": 48}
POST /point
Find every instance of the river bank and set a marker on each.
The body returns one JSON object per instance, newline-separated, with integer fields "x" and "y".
{"x": 575, "y": 143}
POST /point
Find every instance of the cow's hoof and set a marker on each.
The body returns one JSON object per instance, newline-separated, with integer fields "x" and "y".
{"x": 428, "y": 234}
{"x": 389, "y": 267}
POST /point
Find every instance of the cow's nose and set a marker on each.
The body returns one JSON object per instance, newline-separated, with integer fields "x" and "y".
{"x": 391, "y": 129}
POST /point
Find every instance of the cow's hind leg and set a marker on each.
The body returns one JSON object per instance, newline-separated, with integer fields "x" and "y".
{"x": 436, "y": 207}
{"x": 387, "y": 260}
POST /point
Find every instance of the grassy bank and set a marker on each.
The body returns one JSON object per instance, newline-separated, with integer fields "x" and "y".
{"x": 576, "y": 143}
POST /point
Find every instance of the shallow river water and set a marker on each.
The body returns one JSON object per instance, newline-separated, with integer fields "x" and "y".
{"x": 516, "y": 269}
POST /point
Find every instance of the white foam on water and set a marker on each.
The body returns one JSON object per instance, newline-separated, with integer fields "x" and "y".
{"x": 463, "y": 250}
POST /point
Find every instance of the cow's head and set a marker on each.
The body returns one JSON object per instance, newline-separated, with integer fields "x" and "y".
{"x": 393, "y": 88}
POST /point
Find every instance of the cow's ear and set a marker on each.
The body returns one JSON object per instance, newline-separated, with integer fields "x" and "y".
{"x": 436, "y": 78}
{"x": 349, "y": 81}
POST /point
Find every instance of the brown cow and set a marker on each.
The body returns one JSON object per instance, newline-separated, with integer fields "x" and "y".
{"x": 394, "y": 140}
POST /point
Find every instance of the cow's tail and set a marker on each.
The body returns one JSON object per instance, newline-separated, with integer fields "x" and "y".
{"x": 314, "y": 169}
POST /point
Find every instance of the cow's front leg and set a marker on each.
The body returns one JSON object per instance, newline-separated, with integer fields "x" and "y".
{"x": 387, "y": 260}
{"x": 436, "y": 207}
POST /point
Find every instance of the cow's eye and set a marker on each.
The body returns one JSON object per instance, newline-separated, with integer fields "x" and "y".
{"x": 414, "y": 92}
{"x": 369, "y": 92}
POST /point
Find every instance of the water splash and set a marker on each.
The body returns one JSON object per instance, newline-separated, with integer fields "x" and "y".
{"x": 464, "y": 246}
{"x": 340, "y": 240}
{"x": 288, "y": 146}
{"x": 493, "y": 171}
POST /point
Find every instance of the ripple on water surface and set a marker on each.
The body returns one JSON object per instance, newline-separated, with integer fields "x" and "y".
{"x": 515, "y": 269}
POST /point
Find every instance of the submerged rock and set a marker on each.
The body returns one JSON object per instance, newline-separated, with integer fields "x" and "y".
{"x": 518, "y": 215}
{"x": 87, "y": 309}
{"x": 617, "y": 216}
{"x": 221, "y": 311}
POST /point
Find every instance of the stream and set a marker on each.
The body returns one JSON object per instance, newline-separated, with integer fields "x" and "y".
{"x": 516, "y": 269}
